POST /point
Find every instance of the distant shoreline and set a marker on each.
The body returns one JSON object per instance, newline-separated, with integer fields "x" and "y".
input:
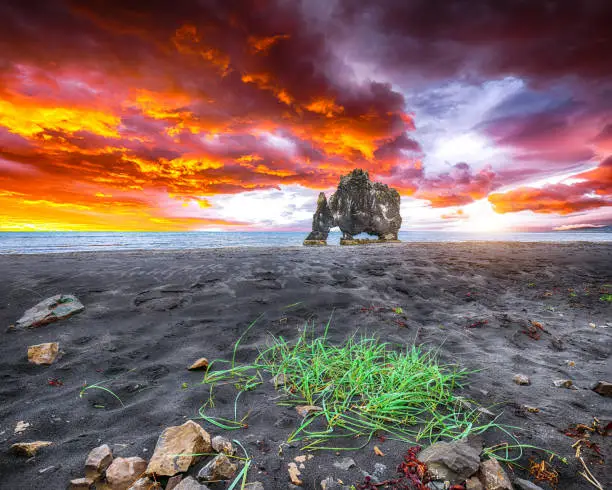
{"x": 13, "y": 243}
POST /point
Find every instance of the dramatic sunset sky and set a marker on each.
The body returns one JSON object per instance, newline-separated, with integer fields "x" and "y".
{"x": 233, "y": 115}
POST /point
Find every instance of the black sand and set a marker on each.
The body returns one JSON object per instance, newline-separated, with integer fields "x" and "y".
{"x": 150, "y": 314}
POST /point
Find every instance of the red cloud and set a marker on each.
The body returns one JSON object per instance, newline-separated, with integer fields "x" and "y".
{"x": 458, "y": 187}
{"x": 594, "y": 190}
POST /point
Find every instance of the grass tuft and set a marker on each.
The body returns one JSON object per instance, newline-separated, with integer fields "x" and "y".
{"x": 363, "y": 387}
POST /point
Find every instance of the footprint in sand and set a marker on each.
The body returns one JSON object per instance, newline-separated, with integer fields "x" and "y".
{"x": 164, "y": 299}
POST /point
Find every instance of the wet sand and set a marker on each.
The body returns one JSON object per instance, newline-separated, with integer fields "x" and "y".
{"x": 148, "y": 315}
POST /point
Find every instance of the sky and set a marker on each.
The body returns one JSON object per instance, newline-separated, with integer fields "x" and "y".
{"x": 486, "y": 115}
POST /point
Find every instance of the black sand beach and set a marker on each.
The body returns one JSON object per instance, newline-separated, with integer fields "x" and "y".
{"x": 148, "y": 315}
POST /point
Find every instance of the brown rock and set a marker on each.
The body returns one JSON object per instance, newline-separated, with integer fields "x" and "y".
{"x": 124, "y": 471}
{"x": 28, "y": 449}
{"x": 188, "y": 439}
{"x": 219, "y": 468}
{"x": 473, "y": 483}
{"x": 223, "y": 445}
{"x": 493, "y": 476}
{"x": 97, "y": 461}
{"x": 521, "y": 379}
{"x": 43, "y": 353}
{"x": 81, "y": 484}
{"x": 201, "y": 363}
{"x": 145, "y": 483}
{"x": 294, "y": 474}
{"x": 603, "y": 388}
{"x": 305, "y": 410}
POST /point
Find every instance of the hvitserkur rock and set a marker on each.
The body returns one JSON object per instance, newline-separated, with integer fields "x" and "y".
{"x": 358, "y": 206}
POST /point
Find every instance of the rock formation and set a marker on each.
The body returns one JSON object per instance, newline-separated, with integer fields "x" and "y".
{"x": 322, "y": 221}
{"x": 358, "y": 206}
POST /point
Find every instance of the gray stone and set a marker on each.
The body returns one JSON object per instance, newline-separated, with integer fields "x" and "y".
{"x": 526, "y": 485}
{"x": 345, "y": 464}
{"x": 223, "y": 445}
{"x": 219, "y": 468}
{"x": 436, "y": 485}
{"x": 331, "y": 483}
{"x": 97, "y": 461}
{"x": 358, "y": 206}
{"x": 173, "y": 481}
{"x": 190, "y": 483}
{"x": 493, "y": 476}
{"x": 50, "y": 310}
{"x": 453, "y": 461}
{"x": 379, "y": 470}
{"x": 256, "y": 485}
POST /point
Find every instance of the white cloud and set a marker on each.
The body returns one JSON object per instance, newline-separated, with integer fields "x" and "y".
{"x": 289, "y": 206}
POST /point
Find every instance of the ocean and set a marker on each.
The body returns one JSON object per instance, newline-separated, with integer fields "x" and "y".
{"x": 62, "y": 242}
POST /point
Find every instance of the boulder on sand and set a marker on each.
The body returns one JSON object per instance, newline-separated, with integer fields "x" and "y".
{"x": 453, "y": 461}
{"x": 175, "y": 449}
{"x": 124, "y": 471}
{"x": 43, "y": 353}
{"x": 358, "y": 206}
{"x": 50, "y": 310}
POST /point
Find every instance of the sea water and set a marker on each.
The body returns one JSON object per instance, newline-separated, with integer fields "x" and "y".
{"x": 57, "y": 242}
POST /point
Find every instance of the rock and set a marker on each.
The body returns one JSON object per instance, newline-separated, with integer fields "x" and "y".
{"x": 358, "y": 206}
{"x": 21, "y": 426}
{"x": 97, "y": 461}
{"x": 81, "y": 484}
{"x": 50, "y": 310}
{"x": 189, "y": 483}
{"x": 219, "y": 468}
{"x": 331, "y": 483}
{"x": 223, "y": 445}
{"x": 345, "y": 464}
{"x": 174, "y": 481}
{"x": 279, "y": 380}
{"x": 305, "y": 410}
{"x": 43, "y": 353}
{"x": 145, "y": 483}
{"x": 473, "y": 483}
{"x": 28, "y": 449}
{"x": 188, "y": 439}
{"x": 294, "y": 474}
{"x": 437, "y": 485}
{"x": 256, "y": 485}
{"x": 201, "y": 363}
{"x": 493, "y": 476}
{"x": 564, "y": 383}
{"x": 603, "y": 388}
{"x": 454, "y": 461}
{"x": 322, "y": 221}
{"x": 521, "y": 379}
{"x": 122, "y": 472}
{"x": 526, "y": 485}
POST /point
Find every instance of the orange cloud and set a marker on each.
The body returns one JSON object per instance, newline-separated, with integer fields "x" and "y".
{"x": 591, "y": 190}
{"x": 261, "y": 45}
